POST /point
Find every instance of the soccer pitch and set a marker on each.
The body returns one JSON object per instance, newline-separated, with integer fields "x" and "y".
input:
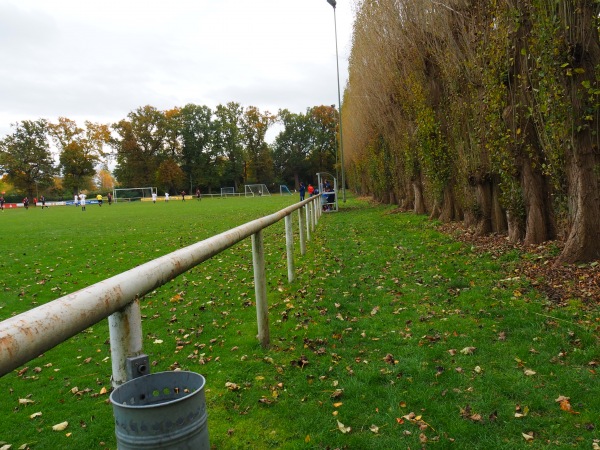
{"x": 49, "y": 253}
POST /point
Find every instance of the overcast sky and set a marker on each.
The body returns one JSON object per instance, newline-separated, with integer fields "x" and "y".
{"x": 98, "y": 60}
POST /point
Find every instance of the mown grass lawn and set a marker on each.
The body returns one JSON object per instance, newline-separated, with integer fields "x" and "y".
{"x": 392, "y": 336}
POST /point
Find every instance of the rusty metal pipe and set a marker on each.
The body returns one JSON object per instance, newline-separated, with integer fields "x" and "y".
{"x": 29, "y": 334}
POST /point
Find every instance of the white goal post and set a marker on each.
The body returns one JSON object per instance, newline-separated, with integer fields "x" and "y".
{"x": 256, "y": 190}
{"x": 225, "y": 191}
{"x": 133, "y": 194}
{"x": 284, "y": 190}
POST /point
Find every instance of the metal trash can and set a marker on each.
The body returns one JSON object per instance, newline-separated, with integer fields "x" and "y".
{"x": 164, "y": 410}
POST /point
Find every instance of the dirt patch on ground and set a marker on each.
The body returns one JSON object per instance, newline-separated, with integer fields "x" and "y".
{"x": 559, "y": 282}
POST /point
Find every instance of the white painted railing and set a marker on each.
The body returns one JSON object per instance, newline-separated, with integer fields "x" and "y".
{"x": 28, "y": 335}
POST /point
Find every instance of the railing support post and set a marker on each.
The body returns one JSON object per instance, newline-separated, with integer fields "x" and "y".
{"x": 260, "y": 288}
{"x": 301, "y": 227}
{"x": 289, "y": 244}
{"x": 308, "y": 214}
{"x": 125, "y": 327}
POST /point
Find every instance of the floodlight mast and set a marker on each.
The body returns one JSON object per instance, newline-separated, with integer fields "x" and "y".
{"x": 337, "y": 62}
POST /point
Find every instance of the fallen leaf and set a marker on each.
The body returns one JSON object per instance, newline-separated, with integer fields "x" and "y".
{"x": 344, "y": 429}
{"x": 468, "y": 350}
{"x": 529, "y": 372}
{"x": 374, "y": 429}
{"x": 34, "y": 415}
{"x": 25, "y": 401}
{"x": 528, "y": 436}
{"x": 337, "y": 393}
{"x": 232, "y": 386}
{"x": 60, "y": 426}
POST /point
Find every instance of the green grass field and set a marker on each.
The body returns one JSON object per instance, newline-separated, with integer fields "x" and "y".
{"x": 392, "y": 336}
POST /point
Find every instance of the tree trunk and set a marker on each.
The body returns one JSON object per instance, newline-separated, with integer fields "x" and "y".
{"x": 483, "y": 190}
{"x": 449, "y": 211}
{"x": 419, "y": 198}
{"x": 583, "y": 241}
{"x": 539, "y": 222}
{"x": 435, "y": 210}
{"x": 516, "y": 230}
{"x": 498, "y": 214}
{"x": 583, "y": 159}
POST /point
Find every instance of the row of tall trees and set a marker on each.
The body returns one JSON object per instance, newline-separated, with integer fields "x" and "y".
{"x": 198, "y": 146}
{"x": 485, "y": 112}
{"x": 193, "y": 146}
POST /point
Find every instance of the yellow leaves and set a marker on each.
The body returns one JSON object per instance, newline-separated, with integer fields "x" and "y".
{"x": 177, "y": 297}
{"x": 232, "y": 386}
{"x": 529, "y": 372}
{"x": 528, "y": 436}
{"x": 344, "y": 429}
{"x": 565, "y": 404}
{"x": 25, "y": 401}
{"x": 521, "y": 412}
{"x": 35, "y": 415}
{"x": 60, "y": 426}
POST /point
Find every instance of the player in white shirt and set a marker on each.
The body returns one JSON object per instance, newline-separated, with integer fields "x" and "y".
{"x": 82, "y": 201}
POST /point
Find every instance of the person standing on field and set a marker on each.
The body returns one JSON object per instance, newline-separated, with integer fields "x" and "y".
{"x": 311, "y": 190}
{"x": 1, "y": 202}
{"x": 76, "y": 200}
{"x": 166, "y": 196}
{"x": 154, "y": 197}
{"x": 26, "y": 202}
{"x": 82, "y": 197}
{"x": 109, "y": 199}
{"x": 302, "y": 191}
{"x": 43, "y": 201}
{"x": 99, "y": 198}
{"x": 198, "y": 195}
{"x": 183, "y": 196}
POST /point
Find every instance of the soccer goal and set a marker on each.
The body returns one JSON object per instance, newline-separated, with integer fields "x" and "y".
{"x": 284, "y": 190}
{"x": 227, "y": 191}
{"x": 256, "y": 190}
{"x": 132, "y": 194}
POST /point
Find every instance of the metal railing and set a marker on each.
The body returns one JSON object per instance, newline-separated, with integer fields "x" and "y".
{"x": 29, "y": 334}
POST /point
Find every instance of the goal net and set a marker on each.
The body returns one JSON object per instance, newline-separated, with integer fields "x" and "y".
{"x": 284, "y": 190}
{"x": 227, "y": 191}
{"x": 256, "y": 190}
{"x": 133, "y": 194}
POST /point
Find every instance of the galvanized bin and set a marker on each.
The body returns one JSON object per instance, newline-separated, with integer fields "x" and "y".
{"x": 165, "y": 410}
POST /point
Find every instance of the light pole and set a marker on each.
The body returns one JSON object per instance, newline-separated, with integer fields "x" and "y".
{"x": 337, "y": 62}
